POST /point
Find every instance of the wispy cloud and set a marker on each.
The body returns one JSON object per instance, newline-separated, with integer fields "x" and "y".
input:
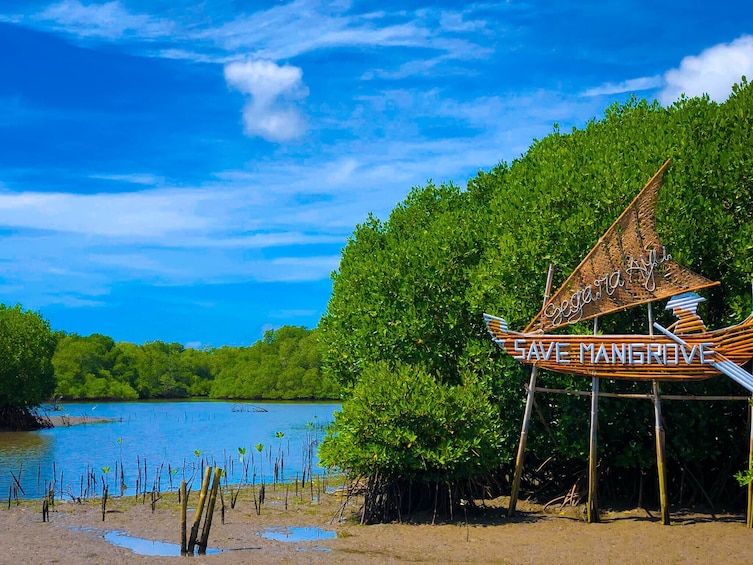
{"x": 139, "y": 214}
{"x": 631, "y": 85}
{"x": 107, "y": 21}
{"x": 280, "y": 33}
{"x": 269, "y": 113}
{"x": 712, "y": 72}
{"x": 146, "y": 179}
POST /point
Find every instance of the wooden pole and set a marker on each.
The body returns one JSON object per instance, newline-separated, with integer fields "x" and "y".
{"x": 593, "y": 481}
{"x": 199, "y": 510}
{"x": 659, "y": 432}
{"x": 660, "y": 456}
{"x": 210, "y": 511}
{"x": 520, "y": 459}
{"x": 183, "y": 512}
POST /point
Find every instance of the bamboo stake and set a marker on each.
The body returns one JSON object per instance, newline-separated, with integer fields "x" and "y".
{"x": 520, "y": 459}
{"x": 183, "y": 512}
{"x": 199, "y": 510}
{"x": 660, "y": 457}
{"x": 593, "y": 481}
{"x": 210, "y": 511}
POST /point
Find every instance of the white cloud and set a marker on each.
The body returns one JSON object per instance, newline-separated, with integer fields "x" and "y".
{"x": 269, "y": 113}
{"x": 713, "y": 72}
{"x": 109, "y": 20}
{"x": 632, "y": 85}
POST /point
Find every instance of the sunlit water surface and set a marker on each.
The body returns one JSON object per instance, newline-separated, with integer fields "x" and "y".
{"x": 171, "y": 440}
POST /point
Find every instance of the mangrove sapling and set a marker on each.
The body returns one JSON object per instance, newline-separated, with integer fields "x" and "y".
{"x": 105, "y": 489}
{"x": 104, "y": 502}
{"x": 173, "y": 473}
{"x": 260, "y": 447}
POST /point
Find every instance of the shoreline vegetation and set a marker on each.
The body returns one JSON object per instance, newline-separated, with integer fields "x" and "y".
{"x": 284, "y": 365}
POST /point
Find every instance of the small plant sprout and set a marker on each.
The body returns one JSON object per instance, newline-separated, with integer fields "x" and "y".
{"x": 259, "y": 447}
{"x": 241, "y": 453}
{"x": 105, "y": 470}
{"x": 279, "y": 435}
{"x": 197, "y": 453}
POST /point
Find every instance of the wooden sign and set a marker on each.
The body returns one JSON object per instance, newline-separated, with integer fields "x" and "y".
{"x": 630, "y": 266}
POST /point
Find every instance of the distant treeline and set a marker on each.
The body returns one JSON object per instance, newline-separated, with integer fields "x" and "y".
{"x": 285, "y": 364}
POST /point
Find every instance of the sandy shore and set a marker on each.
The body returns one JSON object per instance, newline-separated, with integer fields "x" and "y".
{"x": 76, "y": 534}
{"x": 63, "y": 421}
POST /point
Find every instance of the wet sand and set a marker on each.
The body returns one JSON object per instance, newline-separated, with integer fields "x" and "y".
{"x": 75, "y": 534}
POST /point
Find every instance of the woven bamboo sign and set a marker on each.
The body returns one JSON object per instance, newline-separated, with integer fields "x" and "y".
{"x": 628, "y": 266}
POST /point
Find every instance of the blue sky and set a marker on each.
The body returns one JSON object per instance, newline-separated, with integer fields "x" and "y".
{"x": 190, "y": 171}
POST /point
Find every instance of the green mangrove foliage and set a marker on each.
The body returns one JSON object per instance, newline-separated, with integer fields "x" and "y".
{"x": 411, "y": 290}
{"x": 26, "y": 374}
{"x": 410, "y": 433}
{"x": 284, "y": 364}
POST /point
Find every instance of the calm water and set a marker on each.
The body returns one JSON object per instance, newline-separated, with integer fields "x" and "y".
{"x": 174, "y": 438}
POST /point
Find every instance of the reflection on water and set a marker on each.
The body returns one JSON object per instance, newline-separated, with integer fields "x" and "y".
{"x": 22, "y": 446}
{"x": 162, "y": 443}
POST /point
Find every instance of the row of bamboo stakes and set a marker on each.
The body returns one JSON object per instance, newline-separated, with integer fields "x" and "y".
{"x": 592, "y": 504}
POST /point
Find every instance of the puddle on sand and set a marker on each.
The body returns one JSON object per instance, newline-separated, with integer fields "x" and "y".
{"x": 142, "y": 546}
{"x": 292, "y": 534}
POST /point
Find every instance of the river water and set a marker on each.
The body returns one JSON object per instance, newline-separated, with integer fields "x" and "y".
{"x": 160, "y": 443}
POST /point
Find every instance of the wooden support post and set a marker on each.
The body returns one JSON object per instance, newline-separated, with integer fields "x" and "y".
{"x": 593, "y": 481}
{"x": 660, "y": 456}
{"x": 183, "y": 512}
{"x": 520, "y": 459}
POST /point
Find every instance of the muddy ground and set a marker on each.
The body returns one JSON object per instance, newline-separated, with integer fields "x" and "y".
{"x": 75, "y": 534}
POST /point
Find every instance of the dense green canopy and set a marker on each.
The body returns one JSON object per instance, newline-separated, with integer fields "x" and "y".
{"x": 26, "y": 374}
{"x": 285, "y": 364}
{"x": 411, "y": 290}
